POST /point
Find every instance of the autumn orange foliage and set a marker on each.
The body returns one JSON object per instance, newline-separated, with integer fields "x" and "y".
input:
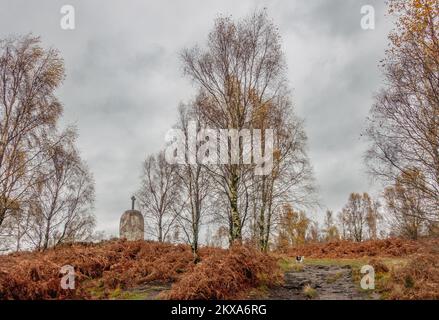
{"x": 36, "y": 275}
{"x": 227, "y": 275}
{"x": 419, "y": 279}
{"x": 120, "y": 264}
{"x": 347, "y": 249}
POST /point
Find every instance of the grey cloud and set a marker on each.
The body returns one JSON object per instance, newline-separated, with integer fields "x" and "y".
{"x": 124, "y": 80}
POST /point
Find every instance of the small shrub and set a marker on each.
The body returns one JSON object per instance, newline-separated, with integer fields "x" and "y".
{"x": 309, "y": 292}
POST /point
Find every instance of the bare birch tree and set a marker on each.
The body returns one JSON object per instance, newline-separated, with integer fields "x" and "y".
{"x": 195, "y": 184}
{"x": 359, "y": 217}
{"x": 61, "y": 201}
{"x": 404, "y": 122}
{"x": 241, "y": 81}
{"x": 330, "y": 229}
{"x": 29, "y": 111}
{"x": 405, "y": 209}
{"x": 291, "y": 178}
{"x": 159, "y": 196}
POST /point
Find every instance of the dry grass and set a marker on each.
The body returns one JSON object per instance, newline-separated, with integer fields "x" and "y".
{"x": 104, "y": 269}
{"x": 404, "y": 269}
{"x": 419, "y": 279}
{"x": 227, "y": 276}
{"x": 349, "y": 249}
{"x": 109, "y": 265}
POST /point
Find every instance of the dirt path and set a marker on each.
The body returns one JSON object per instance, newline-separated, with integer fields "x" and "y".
{"x": 328, "y": 282}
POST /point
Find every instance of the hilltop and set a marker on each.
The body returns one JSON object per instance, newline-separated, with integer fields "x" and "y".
{"x": 151, "y": 270}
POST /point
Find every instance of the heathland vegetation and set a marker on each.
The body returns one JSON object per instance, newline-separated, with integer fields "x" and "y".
{"x": 194, "y": 211}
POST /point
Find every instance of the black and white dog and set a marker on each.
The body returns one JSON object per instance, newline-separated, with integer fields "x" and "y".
{"x": 299, "y": 259}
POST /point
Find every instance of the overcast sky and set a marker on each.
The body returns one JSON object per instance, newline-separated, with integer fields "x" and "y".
{"x": 124, "y": 81}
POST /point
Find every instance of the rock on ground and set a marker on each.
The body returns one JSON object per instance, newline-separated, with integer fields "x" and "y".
{"x": 329, "y": 282}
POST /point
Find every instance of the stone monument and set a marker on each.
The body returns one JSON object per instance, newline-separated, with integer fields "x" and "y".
{"x": 131, "y": 224}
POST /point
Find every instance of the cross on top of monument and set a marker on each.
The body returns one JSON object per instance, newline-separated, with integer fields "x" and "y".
{"x": 133, "y": 199}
